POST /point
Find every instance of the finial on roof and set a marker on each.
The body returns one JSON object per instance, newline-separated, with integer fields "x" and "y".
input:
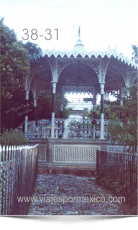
{"x": 79, "y": 44}
{"x": 78, "y": 30}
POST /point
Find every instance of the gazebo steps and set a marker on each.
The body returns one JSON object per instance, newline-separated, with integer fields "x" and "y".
{"x": 78, "y": 170}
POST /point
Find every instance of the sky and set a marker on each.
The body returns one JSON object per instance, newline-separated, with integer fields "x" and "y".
{"x": 103, "y": 23}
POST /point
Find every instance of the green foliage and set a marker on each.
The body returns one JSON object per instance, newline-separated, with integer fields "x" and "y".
{"x": 122, "y": 126}
{"x": 44, "y": 106}
{"x": 135, "y": 51}
{"x": 32, "y": 48}
{"x": 117, "y": 181}
{"x": 97, "y": 115}
{"x": 14, "y": 109}
{"x": 124, "y": 130}
{"x": 14, "y": 63}
{"x": 13, "y": 137}
{"x": 109, "y": 108}
{"x": 66, "y": 111}
{"x": 14, "y": 68}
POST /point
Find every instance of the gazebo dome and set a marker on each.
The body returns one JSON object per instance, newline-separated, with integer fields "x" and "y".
{"x": 79, "y": 45}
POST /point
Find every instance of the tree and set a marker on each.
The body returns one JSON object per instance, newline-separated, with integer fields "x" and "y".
{"x": 32, "y": 48}
{"x": 123, "y": 130}
{"x": 65, "y": 110}
{"x": 44, "y": 106}
{"x": 135, "y": 52}
{"x": 14, "y": 109}
{"x": 14, "y": 62}
{"x": 122, "y": 126}
{"x": 109, "y": 108}
{"x": 14, "y": 68}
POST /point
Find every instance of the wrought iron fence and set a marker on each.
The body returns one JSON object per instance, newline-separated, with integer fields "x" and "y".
{"x": 37, "y": 129}
{"x": 78, "y": 128}
{"x": 18, "y": 171}
{"x": 82, "y": 128}
{"x": 118, "y": 172}
{"x": 65, "y": 128}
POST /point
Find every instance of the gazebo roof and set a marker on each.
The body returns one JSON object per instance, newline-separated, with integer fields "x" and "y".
{"x": 80, "y": 51}
{"x": 79, "y": 69}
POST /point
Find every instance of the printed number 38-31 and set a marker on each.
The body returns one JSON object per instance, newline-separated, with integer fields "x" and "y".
{"x": 34, "y": 34}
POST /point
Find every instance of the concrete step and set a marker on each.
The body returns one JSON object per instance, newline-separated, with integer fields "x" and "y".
{"x": 67, "y": 169}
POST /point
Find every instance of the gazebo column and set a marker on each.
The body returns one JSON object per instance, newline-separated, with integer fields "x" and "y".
{"x": 128, "y": 93}
{"x": 61, "y": 110}
{"x": 102, "y": 111}
{"x": 35, "y": 103}
{"x": 94, "y": 111}
{"x": 53, "y": 108}
{"x": 121, "y": 94}
{"x": 128, "y": 76}
{"x": 26, "y": 117}
{"x": 61, "y": 101}
{"x": 121, "y": 100}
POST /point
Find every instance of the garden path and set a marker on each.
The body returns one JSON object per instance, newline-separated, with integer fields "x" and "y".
{"x": 55, "y": 194}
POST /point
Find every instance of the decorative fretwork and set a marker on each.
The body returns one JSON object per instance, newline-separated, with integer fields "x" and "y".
{"x": 51, "y": 62}
{"x": 62, "y": 64}
{"x": 105, "y": 64}
{"x": 85, "y": 53}
{"x": 42, "y": 153}
{"x": 116, "y": 149}
{"x": 75, "y": 153}
{"x": 94, "y": 64}
{"x": 80, "y": 89}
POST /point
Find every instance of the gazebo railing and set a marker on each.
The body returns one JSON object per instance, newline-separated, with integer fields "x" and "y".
{"x": 65, "y": 128}
{"x": 37, "y": 129}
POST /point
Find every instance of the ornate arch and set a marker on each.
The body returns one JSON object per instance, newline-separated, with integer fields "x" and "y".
{"x": 62, "y": 64}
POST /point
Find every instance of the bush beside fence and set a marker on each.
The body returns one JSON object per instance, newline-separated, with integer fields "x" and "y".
{"x": 18, "y": 171}
{"x": 118, "y": 173}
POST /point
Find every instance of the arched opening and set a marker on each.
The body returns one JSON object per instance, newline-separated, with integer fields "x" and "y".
{"x": 78, "y": 74}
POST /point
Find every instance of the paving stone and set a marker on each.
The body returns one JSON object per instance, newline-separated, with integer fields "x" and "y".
{"x": 64, "y": 186}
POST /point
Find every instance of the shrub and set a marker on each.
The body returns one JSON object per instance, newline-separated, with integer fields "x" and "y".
{"x": 13, "y": 137}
